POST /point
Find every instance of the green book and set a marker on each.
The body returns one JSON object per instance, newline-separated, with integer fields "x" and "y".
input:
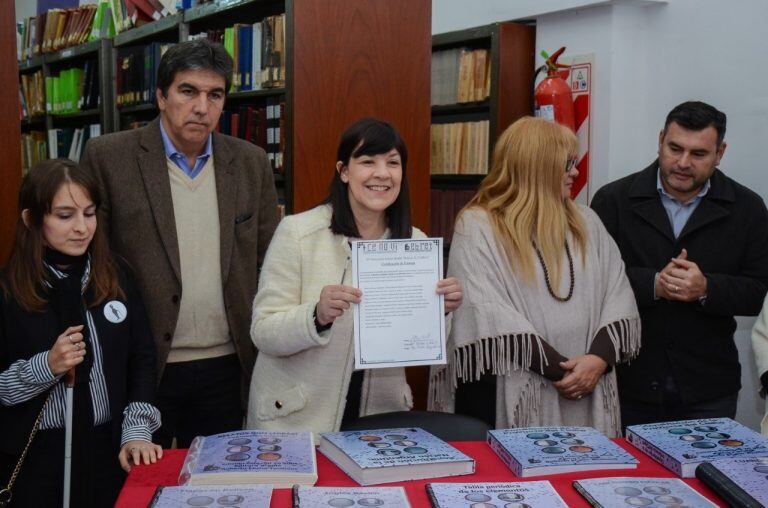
{"x": 229, "y": 45}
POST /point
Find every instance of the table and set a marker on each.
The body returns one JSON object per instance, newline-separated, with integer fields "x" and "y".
{"x": 143, "y": 480}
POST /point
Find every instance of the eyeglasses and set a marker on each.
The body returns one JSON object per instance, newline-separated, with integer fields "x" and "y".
{"x": 570, "y": 164}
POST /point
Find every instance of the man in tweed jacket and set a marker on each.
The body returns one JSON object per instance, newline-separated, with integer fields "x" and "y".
{"x": 193, "y": 212}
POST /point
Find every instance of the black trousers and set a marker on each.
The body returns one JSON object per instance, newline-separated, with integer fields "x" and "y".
{"x": 96, "y": 480}
{"x": 199, "y": 398}
{"x": 671, "y": 408}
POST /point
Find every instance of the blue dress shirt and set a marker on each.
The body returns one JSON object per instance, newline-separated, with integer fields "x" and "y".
{"x": 180, "y": 159}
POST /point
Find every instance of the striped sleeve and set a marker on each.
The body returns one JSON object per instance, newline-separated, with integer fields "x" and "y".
{"x": 140, "y": 421}
{"x": 25, "y": 379}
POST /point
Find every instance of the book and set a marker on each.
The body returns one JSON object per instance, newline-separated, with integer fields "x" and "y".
{"x": 391, "y": 455}
{"x": 242, "y": 496}
{"x": 681, "y": 445}
{"x": 323, "y": 497}
{"x": 251, "y": 456}
{"x": 610, "y": 492}
{"x": 540, "y": 494}
{"x": 536, "y": 451}
{"x": 741, "y": 482}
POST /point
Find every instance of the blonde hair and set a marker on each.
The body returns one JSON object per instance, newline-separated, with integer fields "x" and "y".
{"x": 522, "y": 195}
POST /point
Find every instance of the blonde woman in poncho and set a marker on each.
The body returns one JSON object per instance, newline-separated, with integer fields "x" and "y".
{"x": 547, "y": 307}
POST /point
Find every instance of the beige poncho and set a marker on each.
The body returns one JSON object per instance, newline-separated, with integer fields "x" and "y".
{"x": 499, "y": 306}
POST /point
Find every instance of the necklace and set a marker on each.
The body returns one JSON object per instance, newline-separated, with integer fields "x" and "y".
{"x": 546, "y": 273}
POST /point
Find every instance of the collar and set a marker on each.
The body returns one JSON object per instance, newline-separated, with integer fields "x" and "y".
{"x": 663, "y": 192}
{"x": 59, "y": 274}
{"x": 170, "y": 149}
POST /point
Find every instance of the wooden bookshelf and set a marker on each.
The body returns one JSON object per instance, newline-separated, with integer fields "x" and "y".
{"x": 10, "y": 141}
{"x": 510, "y": 49}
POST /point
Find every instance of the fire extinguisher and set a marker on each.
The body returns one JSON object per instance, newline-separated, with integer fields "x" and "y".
{"x": 552, "y": 98}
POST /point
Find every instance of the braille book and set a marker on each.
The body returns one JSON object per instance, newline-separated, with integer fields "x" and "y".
{"x": 281, "y": 459}
{"x": 393, "y": 455}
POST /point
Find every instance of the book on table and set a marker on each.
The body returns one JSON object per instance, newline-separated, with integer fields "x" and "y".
{"x": 540, "y": 494}
{"x": 742, "y": 482}
{"x": 339, "y": 497}
{"x": 533, "y": 451}
{"x": 681, "y": 445}
{"x": 635, "y": 491}
{"x": 242, "y": 496}
{"x": 281, "y": 459}
{"x": 392, "y": 455}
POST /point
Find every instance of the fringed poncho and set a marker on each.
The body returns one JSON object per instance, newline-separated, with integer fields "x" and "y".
{"x": 503, "y": 317}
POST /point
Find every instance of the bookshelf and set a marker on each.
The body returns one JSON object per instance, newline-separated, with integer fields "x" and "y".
{"x": 10, "y": 141}
{"x": 510, "y": 60}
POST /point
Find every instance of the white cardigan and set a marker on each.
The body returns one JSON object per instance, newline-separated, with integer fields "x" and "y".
{"x": 301, "y": 377}
{"x": 760, "y": 348}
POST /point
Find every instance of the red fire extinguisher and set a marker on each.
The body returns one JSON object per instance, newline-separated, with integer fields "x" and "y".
{"x": 553, "y": 99}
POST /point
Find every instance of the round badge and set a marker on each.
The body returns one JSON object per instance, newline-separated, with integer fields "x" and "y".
{"x": 115, "y": 311}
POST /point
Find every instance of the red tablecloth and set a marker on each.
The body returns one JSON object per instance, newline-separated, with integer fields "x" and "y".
{"x": 143, "y": 480}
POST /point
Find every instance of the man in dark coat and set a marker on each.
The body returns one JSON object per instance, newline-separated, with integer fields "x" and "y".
{"x": 695, "y": 245}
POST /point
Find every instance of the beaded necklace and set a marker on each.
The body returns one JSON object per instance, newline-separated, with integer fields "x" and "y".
{"x": 546, "y": 273}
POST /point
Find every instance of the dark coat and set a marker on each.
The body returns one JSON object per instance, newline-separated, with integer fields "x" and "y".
{"x": 727, "y": 237}
{"x": 127, "y": 351}
{"x": 137, "y": 212}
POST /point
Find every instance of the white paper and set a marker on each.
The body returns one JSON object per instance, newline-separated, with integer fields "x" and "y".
{"x": 400, "y": 320}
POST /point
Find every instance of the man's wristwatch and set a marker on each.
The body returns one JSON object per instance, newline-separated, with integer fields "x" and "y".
{"x": 703, "y": 300}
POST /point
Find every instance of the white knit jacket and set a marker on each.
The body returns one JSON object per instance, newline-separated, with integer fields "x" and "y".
{"x": 301, "y": 377}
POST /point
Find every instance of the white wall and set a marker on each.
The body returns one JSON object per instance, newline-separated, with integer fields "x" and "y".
{"x": 649, "y": 57}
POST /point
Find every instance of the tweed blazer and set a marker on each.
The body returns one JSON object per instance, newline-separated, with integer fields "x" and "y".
{"x": 137, "y": 212}
{"x": 301, "y": 377}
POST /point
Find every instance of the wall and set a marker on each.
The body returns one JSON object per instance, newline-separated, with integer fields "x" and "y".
{"x": 650, "y": 56}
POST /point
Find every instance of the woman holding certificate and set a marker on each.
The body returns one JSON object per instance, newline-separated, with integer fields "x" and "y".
{"x": 77, "y": 359}
{"x": 302, "y": 324}
{"x": 548, "y": 307}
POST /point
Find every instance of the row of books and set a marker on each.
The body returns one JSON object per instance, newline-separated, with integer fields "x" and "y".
{"x": 127, "y": 14}
{"x": 445, "y": 205}
{"x": 74, "y": 89}
{"x": 68, "y": 142}
{"x": 720, "y": 451}
{"x": 258, "y": 52}
{"x": 136, "y": 73}
{"x": 32, "y": 95}
{"x": 262, "y": 126}
{"x": 33, "y": 149}
{"x": 459, "y": 148}
{"x": 57, "y": 29}
{"x": 460, "y": 75}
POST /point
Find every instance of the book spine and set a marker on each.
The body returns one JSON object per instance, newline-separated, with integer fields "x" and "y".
{"x": 431, "y": 494}
{"x": 505, "y": 456}
{"x": 156, "y": 497}
{"x": 586, "y": 495}
{"x": 655, "y": 453}
{"x": 726, "y": 488}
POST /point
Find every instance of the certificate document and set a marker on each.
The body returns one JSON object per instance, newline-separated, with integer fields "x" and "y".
{"x": 400, "y": 320}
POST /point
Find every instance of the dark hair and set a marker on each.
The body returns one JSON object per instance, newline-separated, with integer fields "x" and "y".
{"x": 369, "y": 136}
{"x": 697, "y": 116}
{"x": 25, "y": 274}
{"x": 200, "y": 54}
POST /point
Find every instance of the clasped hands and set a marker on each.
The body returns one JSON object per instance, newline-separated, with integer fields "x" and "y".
{"x": 581, "y": 376}
{"x": 681, "y": 280}
{"x": 335, "y": 299}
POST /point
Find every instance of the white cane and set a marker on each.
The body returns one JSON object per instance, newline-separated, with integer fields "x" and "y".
{"x": 69, "y": 390}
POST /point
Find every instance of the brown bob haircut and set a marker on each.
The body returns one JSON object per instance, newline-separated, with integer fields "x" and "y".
{"x": 25, "y": 275}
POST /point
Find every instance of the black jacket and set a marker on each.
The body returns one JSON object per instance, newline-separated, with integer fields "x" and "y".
{"x": 128, "y": 352}
{"x": 727, "y": 237}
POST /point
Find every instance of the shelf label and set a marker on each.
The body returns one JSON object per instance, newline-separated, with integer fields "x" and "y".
{"x": 67, "y": 53}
